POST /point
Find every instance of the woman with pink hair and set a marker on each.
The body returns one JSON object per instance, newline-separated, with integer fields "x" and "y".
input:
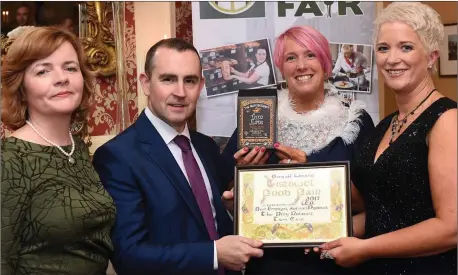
{"x": 314, "y": 125}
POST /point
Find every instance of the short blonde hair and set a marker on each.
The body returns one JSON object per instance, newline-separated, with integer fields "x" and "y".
{"x": 423, "y": 19}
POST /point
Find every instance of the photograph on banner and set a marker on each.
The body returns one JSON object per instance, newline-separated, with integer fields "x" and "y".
{"x": 352, "y": 65}
{"x": 230, "y": 68}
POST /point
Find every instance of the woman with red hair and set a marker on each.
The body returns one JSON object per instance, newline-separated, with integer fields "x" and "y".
{"x": 56, "y": 215}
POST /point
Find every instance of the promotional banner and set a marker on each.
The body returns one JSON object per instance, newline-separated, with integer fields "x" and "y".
{"x": 219, "y": 24}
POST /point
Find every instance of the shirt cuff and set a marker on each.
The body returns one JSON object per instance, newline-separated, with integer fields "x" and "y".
{"x": 215, "y": 257}
{"x": 230, "y": 215}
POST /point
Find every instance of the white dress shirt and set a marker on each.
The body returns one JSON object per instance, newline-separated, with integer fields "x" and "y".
{"x": 168, "y": 134}
{"x": 263, "y": 71}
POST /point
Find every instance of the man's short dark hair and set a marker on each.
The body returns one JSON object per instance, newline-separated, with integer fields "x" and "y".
{"x": 177, "y": 44}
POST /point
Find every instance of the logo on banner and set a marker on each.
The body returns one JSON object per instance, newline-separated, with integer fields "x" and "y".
{"x": 232, "y": 9}
{"x": 311, "y": 7}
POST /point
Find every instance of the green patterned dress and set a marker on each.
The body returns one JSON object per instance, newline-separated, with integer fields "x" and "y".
{"x": 56, "y": 216}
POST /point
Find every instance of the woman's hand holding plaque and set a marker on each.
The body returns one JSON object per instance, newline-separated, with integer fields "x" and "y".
{"x": 289, "y": 154}
{"x": 258, "y": 155}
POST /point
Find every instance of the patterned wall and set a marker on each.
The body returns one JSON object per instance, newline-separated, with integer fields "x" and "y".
{"x": 183, "y": 23}
{"x": 104, "y": 111}
{"x": 183, "y": 27}
{"x": 103, "y": 114}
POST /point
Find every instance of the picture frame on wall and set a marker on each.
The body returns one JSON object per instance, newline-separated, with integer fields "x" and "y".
{"x": 449, "y": 51}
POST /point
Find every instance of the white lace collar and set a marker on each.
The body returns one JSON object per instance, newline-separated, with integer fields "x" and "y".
{"x": 313, "y": 130}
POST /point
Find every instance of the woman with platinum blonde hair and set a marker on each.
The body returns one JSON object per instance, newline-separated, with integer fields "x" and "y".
{"x": 406, "y": 169}
{"x": 314, "y": 125}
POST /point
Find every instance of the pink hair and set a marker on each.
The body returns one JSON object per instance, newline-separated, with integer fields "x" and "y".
{"x": 306, "y": 37}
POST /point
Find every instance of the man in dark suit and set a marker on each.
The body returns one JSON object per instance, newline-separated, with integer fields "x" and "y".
{"x": 164, "y": 180}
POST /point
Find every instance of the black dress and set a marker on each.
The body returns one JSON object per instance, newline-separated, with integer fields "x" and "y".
{"x": 396, "y": 190}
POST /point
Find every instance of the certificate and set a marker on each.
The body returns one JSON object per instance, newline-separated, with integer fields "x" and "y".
{"x": 293, "y": 205}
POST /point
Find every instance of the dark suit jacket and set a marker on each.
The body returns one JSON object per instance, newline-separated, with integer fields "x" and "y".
{"x": 159, "y": 228}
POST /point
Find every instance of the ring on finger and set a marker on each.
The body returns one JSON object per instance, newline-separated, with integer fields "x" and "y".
{"x": 326, "y": 255}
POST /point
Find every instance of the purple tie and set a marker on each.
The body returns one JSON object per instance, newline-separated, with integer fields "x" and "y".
{"x": 198, "y": 187}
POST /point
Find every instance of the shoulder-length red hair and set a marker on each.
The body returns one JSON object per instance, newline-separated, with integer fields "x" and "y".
{"x": 27, "y": 48}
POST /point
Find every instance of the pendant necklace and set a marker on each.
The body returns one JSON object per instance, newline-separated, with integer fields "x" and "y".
{"x": 396, "y": 124}
{"x": 69, "y": 155}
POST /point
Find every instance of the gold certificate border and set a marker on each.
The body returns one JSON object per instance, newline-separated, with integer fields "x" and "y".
{"x": 294, "y": 234}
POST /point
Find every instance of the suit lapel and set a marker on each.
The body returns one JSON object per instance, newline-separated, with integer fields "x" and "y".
{"x": 160, "y": 154}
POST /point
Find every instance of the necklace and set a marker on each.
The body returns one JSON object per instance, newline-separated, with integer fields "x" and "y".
{"x": 396, "y": 124}
{"x": 69, "y": 155}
